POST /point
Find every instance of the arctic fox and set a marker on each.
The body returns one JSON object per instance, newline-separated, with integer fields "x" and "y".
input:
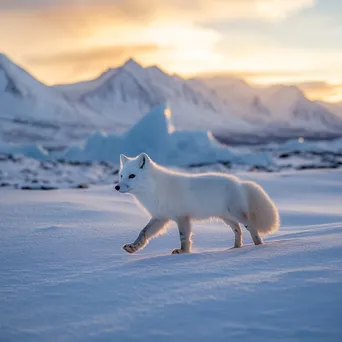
{"x": 181, "y": 197}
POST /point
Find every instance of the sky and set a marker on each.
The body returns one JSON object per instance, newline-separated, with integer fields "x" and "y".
{"x": 262, "y": 41}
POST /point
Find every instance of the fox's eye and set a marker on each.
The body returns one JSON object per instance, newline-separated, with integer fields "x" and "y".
{"x": 131, "y": 176}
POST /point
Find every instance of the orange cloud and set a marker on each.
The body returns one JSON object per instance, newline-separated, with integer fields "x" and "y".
{"x": 113, "y": 54}
{"x": 154, "y": 9}
{"x": 84, "y": 64}
{"x": 320, "y": 90}
{"x": 70, "y": 40}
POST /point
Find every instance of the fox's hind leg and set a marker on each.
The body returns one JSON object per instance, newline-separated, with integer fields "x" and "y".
{"x": 153, "y": 228}
{"x": 184, "y": 227}
{"x": 236, "y": 229}
{"x": 254, "y": 234}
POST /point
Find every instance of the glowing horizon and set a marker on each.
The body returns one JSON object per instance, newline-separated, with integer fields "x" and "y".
{"x": 261, "y": 41}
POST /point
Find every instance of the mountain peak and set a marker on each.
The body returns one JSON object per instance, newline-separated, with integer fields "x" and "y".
{"x": 17, "y": 81}
{"x": 132, "y": 64}
{"x": 5, "y": 61}
{"x": 3, "y": 56}
{"x": 289, "y": 93}
{"x": 293, "y": 92}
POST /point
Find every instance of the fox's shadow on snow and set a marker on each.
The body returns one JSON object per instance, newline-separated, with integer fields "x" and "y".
{"x": 202, "y": 254}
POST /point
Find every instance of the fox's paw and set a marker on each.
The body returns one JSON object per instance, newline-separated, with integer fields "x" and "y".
{"x": 131, "y": 247}
{"x": 178, "y": 251}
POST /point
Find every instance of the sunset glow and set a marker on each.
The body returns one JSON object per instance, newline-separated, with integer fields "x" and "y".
{"x": 262, "y": 41}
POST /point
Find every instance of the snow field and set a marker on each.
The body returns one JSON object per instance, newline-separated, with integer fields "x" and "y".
{"x": 64, "y": 276}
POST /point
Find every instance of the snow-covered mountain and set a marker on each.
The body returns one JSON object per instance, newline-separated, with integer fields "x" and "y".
{"x": 221, "y": 104}
{"x": 281, "y": 107}
{"x": 131, "y": 90}
{"x": 289, "y": 105}
{"x": 333, "y": 107}
{"x": 30, "y": 111}
{"x": 236, "y": 96}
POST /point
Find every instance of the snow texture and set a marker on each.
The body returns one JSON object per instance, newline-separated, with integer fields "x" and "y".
{"x": 64, "y": 276}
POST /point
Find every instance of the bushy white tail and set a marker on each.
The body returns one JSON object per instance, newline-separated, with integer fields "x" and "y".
{"x": 262, "y": 213}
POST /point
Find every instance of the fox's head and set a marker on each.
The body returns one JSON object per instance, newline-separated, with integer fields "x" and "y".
{"x": 132, "y": 174}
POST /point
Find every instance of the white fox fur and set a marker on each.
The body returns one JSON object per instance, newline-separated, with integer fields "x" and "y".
{"x": 182, "y": 197}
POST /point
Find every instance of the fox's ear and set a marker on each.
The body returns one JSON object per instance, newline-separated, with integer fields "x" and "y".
{"x": 123, "y": 159}
{"x": 143, "y": 160}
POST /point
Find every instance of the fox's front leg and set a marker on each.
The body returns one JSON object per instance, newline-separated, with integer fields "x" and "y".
{"x": 152, "y": 229}
{"x": 184, "y": 227}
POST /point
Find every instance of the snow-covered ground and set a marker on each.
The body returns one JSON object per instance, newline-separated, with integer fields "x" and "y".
{"x": 97, "y": 161}
{"x": 22, "y": 172}
{"x": 64, "y": 276}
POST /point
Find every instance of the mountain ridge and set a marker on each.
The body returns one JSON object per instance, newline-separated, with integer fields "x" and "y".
{"x": 120, "y": 96}
{"x": 235, "y": 98}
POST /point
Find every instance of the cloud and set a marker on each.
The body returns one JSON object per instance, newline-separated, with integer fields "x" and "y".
{"x": 178, "y": 34}
{"x": 112, "y": 54}
{"x": 249, "y": 74}
{"x": 321, "y": 90}
{"x": 54, "y": 25}
{"x": 74, "y": 65}
{"x": 197, "y": 10}
{"x": 316, "y": 85}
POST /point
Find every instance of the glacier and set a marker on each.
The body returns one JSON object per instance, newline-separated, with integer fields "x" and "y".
{"x": 34, "y": 151}
{"x": 155, "y": 135}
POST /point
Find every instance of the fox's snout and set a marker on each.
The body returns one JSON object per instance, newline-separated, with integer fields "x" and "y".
{"x": 122, "y": 188}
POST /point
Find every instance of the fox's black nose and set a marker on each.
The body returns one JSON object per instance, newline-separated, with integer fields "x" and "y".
{"x": 117, "y": 187}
